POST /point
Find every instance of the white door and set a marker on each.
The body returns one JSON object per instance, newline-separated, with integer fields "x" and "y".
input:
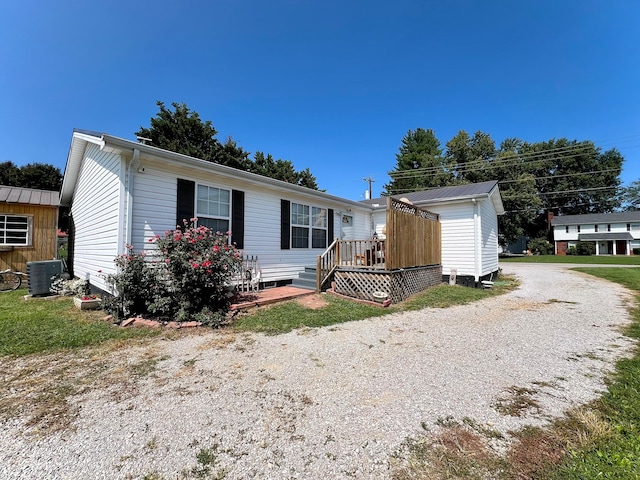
{"x": 346, "y": 233}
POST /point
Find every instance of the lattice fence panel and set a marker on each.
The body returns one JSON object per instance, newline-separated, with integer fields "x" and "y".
{"x": 399, "y": 284}
{"x": 360, "y": 284}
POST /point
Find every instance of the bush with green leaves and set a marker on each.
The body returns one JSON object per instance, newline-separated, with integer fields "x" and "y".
{"x": 540, "y": 246}
{"x": 586, "y": 248}
{"x": 183, "y": 279}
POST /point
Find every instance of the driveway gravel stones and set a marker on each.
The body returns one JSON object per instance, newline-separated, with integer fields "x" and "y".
{"x": 335, "y": 402}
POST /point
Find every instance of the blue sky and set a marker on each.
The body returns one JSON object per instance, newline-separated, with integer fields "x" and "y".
{"x": 331, "y": 85}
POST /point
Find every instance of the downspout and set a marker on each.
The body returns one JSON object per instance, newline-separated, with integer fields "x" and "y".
{"x": 135, "y": 163}
{"x": 476, "y": 242}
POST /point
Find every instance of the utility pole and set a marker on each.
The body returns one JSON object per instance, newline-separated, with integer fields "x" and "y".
{"x": 370, "y": 180}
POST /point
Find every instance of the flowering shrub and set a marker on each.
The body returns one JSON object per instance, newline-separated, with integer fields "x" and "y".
{"x": 184, "y": 280}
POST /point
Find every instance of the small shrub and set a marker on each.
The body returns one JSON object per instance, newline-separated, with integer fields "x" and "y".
{"x": 540, "y": 246}
{"x": 585, "y": 248}
{"x": 636, "y": 251}
{"x": 572, "y": 250}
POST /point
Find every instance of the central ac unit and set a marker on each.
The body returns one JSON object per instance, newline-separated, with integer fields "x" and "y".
{"x": 39, "y": 275}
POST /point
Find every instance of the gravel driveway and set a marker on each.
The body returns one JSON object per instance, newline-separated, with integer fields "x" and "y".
{"x": 335, "y": 402}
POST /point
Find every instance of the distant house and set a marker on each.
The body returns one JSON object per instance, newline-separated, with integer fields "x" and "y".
{"x": 615, "y": 233}
{"x": 28, "y": 226}
{"x": 469, "y": 218}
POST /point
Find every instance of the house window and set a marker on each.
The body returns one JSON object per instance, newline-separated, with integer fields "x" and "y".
{"x": 578, "y": 228}
{"x": 566, "y": 228}
{"x": 628, "y": 227}
{"x": 635, "y": 226}
{"x": 213, "y": 208}
{"x": 595, "y": 227}
{"x": 573, "y": 228}
{"x": 308, "y": 224}
{"x": 608, "y": 227}
{"x": 15, "y": 230}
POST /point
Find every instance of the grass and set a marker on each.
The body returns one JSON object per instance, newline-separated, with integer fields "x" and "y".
{"x": 576, "y": 259}
{"x": 288, "y": 316}
{"x": 44, "y": 325}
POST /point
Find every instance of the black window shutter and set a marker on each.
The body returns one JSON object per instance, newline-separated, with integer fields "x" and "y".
{"x": 285, "y": 224}
{"x": 330, "y": 227}
{"x": 185, "y": 200}
{"x": 237, "y": 218}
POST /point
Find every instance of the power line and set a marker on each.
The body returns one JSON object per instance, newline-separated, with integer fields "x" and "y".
{"x": 501, "y": 160}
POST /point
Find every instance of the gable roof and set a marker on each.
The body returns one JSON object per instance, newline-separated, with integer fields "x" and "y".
{"x": 450, "y": 194}
{"x": 82, "y": 138}
{"x": 28, "y": 196}
{"x": 614, "y": 217}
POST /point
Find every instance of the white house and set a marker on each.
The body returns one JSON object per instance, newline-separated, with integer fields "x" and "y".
{"x": 469, "y": 220}
{"x": 122, "y": 192}
{"x": 612, "y": 233}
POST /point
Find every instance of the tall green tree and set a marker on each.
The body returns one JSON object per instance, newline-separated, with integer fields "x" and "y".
{"x": 419, "y": 164}
{"x": 182, "y": 130}
{"x": 470, "y": 156}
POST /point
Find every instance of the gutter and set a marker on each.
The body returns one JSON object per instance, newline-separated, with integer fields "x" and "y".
{"x": 133, "y": 165}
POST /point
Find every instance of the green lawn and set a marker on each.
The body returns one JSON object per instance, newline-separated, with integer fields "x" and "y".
{"x": 576, "y": 259}
{"x": 41, "y": 325}
{"x": 288, "y": 316}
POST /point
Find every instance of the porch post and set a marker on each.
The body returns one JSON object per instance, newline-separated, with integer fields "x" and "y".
{"x": 628, "y": 249}
{"x": 614, "y": 247}
{"x": 597, "y": 248}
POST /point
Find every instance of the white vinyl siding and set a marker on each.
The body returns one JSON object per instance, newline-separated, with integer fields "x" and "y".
{"x": 154, "y": 212}
{"x": 458, "y": 249}
{"x": 489, "y": 229}
{"x": 154, "y": 207}
{"x": 96, "y": 215}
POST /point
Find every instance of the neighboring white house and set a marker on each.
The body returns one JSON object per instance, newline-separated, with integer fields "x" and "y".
{"x": 122, "y": 192}
{"x": 469, "y": 220}
{"x": 612, "y": 233}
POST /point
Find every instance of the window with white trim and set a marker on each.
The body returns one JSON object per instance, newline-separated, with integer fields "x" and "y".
{"x": 308, "y": 226}
{"x": 213, "y": 208}
{"x": 16, "y": 230}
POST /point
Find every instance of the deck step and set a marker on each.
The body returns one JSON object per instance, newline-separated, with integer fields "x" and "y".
{"x": 306, "y": 280}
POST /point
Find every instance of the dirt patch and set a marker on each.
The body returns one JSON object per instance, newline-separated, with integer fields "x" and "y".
{"x": 313, "y": 302}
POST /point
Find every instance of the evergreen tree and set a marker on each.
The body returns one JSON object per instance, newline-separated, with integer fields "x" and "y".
{"x": 419, "y": 164}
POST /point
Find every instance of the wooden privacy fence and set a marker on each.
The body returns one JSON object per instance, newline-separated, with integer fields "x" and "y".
{"x": 413, "y": 236}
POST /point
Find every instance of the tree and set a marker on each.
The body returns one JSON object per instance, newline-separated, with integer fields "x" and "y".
{"x": 41, "y": 176}
{"x": 470, "y": 156}
{"x": 9, "y": 174}
{"x": 182, "y": 130}
{"x": 419, "y": 164}
{"x": 630, "y": 196}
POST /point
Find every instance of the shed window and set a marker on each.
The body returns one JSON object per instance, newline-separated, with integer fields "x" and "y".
{"x": 16, "y": 230}
{"x": 213, "y": 208}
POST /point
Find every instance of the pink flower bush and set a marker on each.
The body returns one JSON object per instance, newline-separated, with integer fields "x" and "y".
{"x": 188, "y": 279}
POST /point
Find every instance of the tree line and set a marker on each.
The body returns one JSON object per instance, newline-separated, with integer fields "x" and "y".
{"x": 561, "y": 176}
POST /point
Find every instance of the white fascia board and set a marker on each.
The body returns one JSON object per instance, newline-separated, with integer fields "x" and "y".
{"x": 77, "y": 148}
{"x": 160, "y": 154}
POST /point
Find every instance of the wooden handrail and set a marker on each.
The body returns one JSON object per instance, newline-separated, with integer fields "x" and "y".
{"x": 327, "y": 264}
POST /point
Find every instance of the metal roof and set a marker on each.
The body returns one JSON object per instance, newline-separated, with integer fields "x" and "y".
{"x": 457, "y": 192}
{"x": 593, "y": 218}
{"x": 29, "y": 196}
{"x": 591, "y": 237}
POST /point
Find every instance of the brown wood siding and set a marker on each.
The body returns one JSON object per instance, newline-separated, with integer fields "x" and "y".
{"x": 413, "y": 236}
{"x": 43, "y": 240}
